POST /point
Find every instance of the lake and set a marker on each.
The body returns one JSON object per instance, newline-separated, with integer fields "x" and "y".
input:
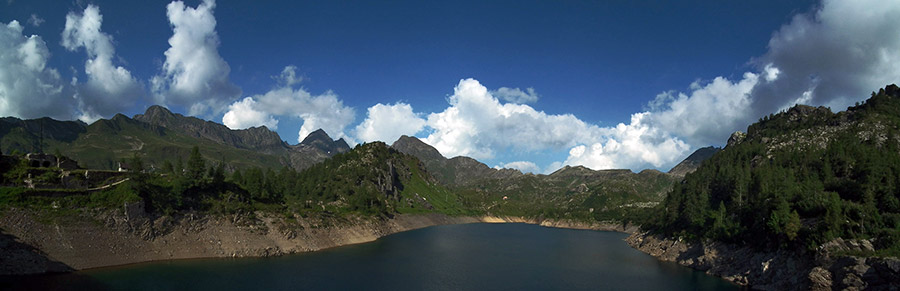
{"x": 449, "y": 257}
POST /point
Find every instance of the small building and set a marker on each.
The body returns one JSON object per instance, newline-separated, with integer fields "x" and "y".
{"x": 41, "y": 160}
{"x": 66, "y": 163}
{"x": 124, "y": 167}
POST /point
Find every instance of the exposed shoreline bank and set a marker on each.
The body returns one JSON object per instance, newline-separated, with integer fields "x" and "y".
{"x": 109, "y": 239}
{"x": 826, "y": 269}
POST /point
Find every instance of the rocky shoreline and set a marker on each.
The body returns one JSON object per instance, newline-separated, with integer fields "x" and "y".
{"x": 31, "y": 245}
{"x": 825, "y": 269}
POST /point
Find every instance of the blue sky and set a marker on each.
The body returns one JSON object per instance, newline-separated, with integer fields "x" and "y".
{"x": 527, "y": 84}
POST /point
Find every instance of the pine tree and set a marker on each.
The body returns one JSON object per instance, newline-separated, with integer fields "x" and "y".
{"x": 195, "y": 166}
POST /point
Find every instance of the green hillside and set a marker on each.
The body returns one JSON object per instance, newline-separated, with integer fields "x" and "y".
{"x": 106, "y": 142}
{"x": 572, "y": 193}
{"x": 799, "y": 178}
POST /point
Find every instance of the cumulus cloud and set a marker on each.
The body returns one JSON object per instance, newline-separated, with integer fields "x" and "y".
{"x": 522, "y": 166}
{"x": 516, "y": 95}
{"x": 194, "y": 75}
{"x": 388, "y": 122}
{"x": 243, "y": 114}
{"x": 325, "y": 111}
{"x": 709, "y": 112}
{"x": 835, "y": 55}
{"x": 631, "y": 146}
{"x": 109, "y": 88}
{"x": 477, "y": 124}
{"x": 28, "y": 88}
{"x": 832, "y": 56}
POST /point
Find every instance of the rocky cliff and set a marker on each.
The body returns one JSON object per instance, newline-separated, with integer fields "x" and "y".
{"x": 829, "y": 268}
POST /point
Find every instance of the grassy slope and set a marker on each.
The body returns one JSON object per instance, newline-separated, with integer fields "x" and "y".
{"x": 571, "y": 194}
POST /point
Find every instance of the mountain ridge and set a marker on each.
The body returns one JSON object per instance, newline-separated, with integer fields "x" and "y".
{"x": 165, "y": 134}
{"x": 693, "y": 161}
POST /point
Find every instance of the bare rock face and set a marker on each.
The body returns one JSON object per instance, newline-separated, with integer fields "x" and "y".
{"x": 825, "y": 269}
{"x": 692, "y": 162}
{"x": 736, "y": 138}
{"x": 820, "y": 279}
{"x": 829, "y": 250}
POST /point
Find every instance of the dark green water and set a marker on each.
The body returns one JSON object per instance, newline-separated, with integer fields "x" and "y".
{"x": 450, "y": 257}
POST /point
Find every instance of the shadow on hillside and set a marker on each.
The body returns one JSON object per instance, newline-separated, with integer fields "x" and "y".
{"x": 19, "y": 258}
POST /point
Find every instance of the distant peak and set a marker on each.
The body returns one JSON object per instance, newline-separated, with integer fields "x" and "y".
{"x": 318, "y": 135}
{"x": 342, "y": 144}
{"x": 416, "y": 147}
{"x": 120, "y": 116}
{"x": 156, "y": 109}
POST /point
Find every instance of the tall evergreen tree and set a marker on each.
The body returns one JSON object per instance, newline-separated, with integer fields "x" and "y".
{"x": 196, "y": 167}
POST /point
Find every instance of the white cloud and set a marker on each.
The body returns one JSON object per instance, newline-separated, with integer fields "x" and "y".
{"x": 522, "y": 166}
{"x": 325, "y": 111}
{"x": 243, "y": 114}
{"x": 35, "y": 20}
{"x": 28, "y": 88}
{"x": 636, "y": 145}
{"x": 477, "y": 125}
{"x": 516, "y": 95}
{"x": 388, "y": 122}
{"x": 708, "y": 113}
{"x": 289, "y": 76}
{"x": 194, "y": 74}
{"x": 109, "y": 89}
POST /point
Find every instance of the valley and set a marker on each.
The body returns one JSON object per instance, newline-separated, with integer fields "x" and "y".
{"x": 806, "y": 198}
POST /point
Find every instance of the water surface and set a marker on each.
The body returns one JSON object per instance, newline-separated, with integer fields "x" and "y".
{"x": 449, "y": 257}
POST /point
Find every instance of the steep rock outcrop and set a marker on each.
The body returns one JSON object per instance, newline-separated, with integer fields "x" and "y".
{"x": 692, "y": 162}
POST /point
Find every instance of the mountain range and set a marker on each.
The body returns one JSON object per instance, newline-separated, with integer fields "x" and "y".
{"x": 159, "y": 135}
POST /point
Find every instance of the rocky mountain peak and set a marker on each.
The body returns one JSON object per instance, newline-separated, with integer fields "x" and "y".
{"x": 891, "y": 90}
{"x": 413, "y": 146}
{"x": 342, "y": 144}
{"x": 157, "y": 115}
{"x": 693, "y": 161}
{"x": 799, "y": 113}
{"x": 318, "y": 135}
{"x": 736, "y": 138}
{"x": 259, "y": 138}
{"x": 319, "y": 139}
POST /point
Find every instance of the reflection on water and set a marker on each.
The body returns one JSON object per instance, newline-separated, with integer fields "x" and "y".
{"x": 451, "y": 257}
